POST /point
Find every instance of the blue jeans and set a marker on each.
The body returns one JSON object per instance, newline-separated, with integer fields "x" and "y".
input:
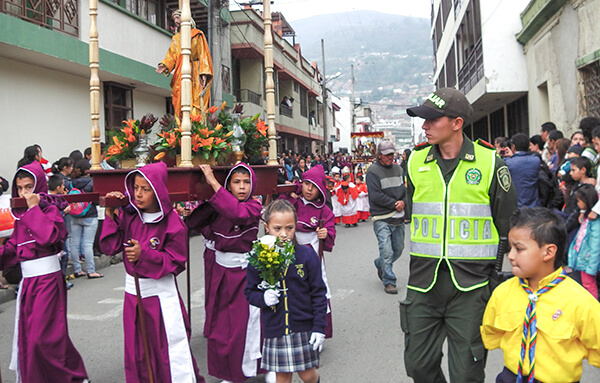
{"x": 83, "y": 232}
{"x": 391, "y": 244}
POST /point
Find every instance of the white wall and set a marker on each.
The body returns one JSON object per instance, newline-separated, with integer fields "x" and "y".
{"x": 41, "y": 106}
{"x": 122, "y": 34}
{"x": 343, "y": 121}
{"x": 503, "y": 58}
{"x": 52, "y": 109}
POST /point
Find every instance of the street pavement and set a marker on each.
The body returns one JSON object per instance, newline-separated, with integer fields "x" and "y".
{"x": 367, "y": 345}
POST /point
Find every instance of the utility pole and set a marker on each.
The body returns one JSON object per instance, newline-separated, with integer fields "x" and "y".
{"x": 325, "y": 108}
{"x": 352, "y": 103}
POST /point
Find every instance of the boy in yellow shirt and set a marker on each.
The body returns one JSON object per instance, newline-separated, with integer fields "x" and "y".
{"x": 544, "y": 322}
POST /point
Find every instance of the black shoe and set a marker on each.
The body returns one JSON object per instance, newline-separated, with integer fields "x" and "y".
{"x": 347, "y": 225}
{"x": 355, "y": 224}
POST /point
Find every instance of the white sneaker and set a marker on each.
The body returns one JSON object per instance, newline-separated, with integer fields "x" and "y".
{"x": 270, "y": 377}
{"x": 226, "y": 381}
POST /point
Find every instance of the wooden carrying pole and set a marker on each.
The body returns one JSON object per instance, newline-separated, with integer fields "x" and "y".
{"x": 94, "y": 85}
{"x": 269, "y": 83}
{"x": 186, "y": 85}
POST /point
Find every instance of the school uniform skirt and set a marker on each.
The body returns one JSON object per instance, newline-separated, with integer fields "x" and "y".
{"x": 289, "y": 353}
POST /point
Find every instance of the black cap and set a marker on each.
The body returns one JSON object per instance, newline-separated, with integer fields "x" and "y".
{"x": 447, "y": 102}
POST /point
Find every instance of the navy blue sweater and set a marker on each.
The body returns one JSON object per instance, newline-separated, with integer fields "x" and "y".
{"x": 303, "y": 306}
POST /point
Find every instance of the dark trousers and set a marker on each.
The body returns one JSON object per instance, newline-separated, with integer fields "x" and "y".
{"x": 427, "y": 319}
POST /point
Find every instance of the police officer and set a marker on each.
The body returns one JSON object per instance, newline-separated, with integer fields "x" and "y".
{"x": 460, "y": 199}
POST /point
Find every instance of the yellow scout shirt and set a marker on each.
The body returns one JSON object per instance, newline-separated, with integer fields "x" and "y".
{"x": 568, "y": 323}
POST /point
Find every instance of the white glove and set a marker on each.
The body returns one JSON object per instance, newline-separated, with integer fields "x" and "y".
{"x": 271, "y": 297}
{"x": 317, "y": 339}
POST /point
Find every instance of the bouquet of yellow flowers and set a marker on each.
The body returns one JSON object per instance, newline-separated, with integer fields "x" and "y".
{"x": 271, "y": 256}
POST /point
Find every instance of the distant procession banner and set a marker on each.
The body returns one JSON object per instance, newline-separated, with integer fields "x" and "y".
{"x": 367, "y": 134}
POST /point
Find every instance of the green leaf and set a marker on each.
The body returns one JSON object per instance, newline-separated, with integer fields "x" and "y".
{"x": 206, "y": 155}
{"x": 215, "y": 154}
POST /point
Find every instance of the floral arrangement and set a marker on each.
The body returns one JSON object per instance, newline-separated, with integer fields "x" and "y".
{"x": 123, "y": 141}
{"x": 271, "y": 256}
{"x": 209, "y": 139}
{"x": 255, "y": 130}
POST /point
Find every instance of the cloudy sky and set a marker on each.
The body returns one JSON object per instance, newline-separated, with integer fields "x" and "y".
{"x": 301, "y": 9}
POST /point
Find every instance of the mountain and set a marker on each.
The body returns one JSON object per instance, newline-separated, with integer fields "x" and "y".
{"x": 389, "y": 52}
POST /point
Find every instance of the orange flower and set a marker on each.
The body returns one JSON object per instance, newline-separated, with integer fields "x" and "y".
{"x": 114, "y": 149}
{"x": 206, "y": 142}
{"x": 205, "y": 132}
{"x": 117, "y": 142}
{"x": 130, "y": 123}
{"x": 218, "y": 140}
{"x": 160, "y": 156}
{"x": 127, "y": 130}
{"x": 229, "y": 134}
{"x": 223, "y": 105}
{"x": 131, "y": 138}
{"x": 218, "y": 127}
{"x": 262, "y": 127}
{"x": 171, "y": 140}
{"x": 196, "y": 118}
{"x": 212, "y": 109}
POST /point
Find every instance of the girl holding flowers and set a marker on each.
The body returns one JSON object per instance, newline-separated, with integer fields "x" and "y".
{"x": 294, "y": 307}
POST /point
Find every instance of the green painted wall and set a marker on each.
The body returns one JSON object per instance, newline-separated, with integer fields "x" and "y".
{"x": 23, "y": 34}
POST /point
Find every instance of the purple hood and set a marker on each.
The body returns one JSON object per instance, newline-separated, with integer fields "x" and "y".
{"x": 316, "y": 175}
{"x": 40, "y": 187}
{"x": 156, "y": 175}
{"x": 252, "y": 179}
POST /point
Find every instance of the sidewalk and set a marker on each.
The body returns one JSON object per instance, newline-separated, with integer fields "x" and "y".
{"x": 101, "y": 261}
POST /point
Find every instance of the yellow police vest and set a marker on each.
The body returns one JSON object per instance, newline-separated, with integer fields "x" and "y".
{"x": 452, "y": 223}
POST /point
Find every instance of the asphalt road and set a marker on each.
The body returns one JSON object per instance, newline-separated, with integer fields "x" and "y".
{"x": 367, "y": 345}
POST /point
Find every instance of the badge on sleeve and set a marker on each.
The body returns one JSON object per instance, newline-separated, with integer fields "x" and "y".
{"x": 504, "y": 178}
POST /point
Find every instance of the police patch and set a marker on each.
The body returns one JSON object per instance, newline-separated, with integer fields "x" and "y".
{"x": 504, "y": 178}
{"x": 473, "y": 176}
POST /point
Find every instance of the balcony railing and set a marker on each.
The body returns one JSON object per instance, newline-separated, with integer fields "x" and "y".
{"x": 472, "y": 70}
{"x": 246, "y": 95}
{"x": 59, "y": 15}
{"x": 286, "y": 111}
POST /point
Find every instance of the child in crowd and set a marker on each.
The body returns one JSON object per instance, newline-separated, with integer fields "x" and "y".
{"x": 584, "y": 251}
{"x": 154, "y": 241}
{"x": 362, "y": 204}
{"x": 544, "y": 322}
{"x": 229, "y": 222}
{"x": 311, "y": 211}
{"x": 347, "y": 196}
{"x": 336, "y": 207}
{"x": 294, "y": 330}
{"x": 42, "y": 349}
{"x": 56, "y": 186}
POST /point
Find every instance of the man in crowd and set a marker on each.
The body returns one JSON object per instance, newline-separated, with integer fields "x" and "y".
{"x": 387, "y": 195}
{"x": 460, "y": 199}
{"x": 525, "y": 167}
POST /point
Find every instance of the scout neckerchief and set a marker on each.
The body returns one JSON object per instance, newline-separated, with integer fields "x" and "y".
{"x": 530, "y": 326}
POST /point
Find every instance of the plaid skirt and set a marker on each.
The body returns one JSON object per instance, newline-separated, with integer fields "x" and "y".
{"x": 289, "y": 353}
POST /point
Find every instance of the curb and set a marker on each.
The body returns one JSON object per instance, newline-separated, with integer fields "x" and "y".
{"x": 102, "y": 262}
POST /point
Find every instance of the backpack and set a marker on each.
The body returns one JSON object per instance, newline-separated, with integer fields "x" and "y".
{"x": 79, "y": 209}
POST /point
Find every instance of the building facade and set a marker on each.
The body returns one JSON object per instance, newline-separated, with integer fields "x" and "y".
{"x": 561, "y": 41}
{"x": 476, "y": 52}
{"x": 299, "y": 124}
{"x": 44, "y": 54}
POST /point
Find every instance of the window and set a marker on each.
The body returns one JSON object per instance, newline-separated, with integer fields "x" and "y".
{"x": 303, "y": 102}
{"x": 451, "y": 68}
{"x": 590, "y": 76}
{"x": 517, "y": 117}
{"x": 118, "y": 104}
{"x": 150, "y": 10}
{"x": 497, "y": 124}
{"x": 58, "y": 15}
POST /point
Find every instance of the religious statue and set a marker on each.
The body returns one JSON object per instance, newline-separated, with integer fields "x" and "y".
{"x": 202, "y": 70}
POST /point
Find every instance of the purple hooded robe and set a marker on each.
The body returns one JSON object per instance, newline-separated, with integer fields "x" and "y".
{"x": 163, "y": 240}
{"x": 44, "y": 351}
{"x": 309, "y": 213}
{"x": 232, "y": 326}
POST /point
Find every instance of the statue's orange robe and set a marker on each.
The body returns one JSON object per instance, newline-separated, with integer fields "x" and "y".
{"x": 201, "y": 65}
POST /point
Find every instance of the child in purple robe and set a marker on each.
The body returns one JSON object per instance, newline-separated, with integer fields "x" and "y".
{"x": 42, "y": 349}
{"x": 294, "y": 318}
{"x": 311, "y": 209}
{"x": 229, "y": 222}
{"x": 154, "y": 240}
